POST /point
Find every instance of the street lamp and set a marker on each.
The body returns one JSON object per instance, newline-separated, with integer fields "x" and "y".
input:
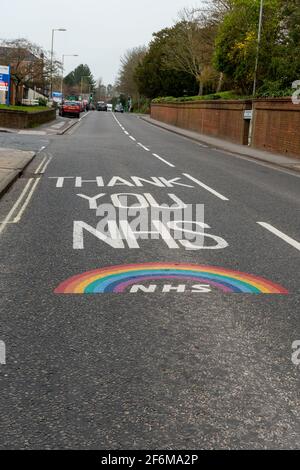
{"x": 81, "y": 82}
{"x": 62, "y": 73}
{"x": 258, "y": 45}
{"x": 51, "y": 60}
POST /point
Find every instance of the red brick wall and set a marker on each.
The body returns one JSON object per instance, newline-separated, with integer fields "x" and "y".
{"x": 276, "y": 126}
{"x": 223, "y": 119}
{"x": 22, "y": 120}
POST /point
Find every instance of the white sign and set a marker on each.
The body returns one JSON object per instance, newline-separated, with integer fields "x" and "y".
{"x": 248, "y": 114}
{"x": 4, "y": 69}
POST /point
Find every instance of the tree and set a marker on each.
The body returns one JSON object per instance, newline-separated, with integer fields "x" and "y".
{"x": 126, "y": 82}
{"x": 236, "y": 42}
{"x": 30, "y": 64}
{"x": 190, "y": 47}
{"x": 155, "y": 79}
{"x": 80, "y": 80}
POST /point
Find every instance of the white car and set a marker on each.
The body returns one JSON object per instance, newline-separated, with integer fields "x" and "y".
{"x": 109, "y": 107}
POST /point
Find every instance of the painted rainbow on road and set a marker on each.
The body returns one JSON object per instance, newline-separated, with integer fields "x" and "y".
{"x": 118, "y": 278}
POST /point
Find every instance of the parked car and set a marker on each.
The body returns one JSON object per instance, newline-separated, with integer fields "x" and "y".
{"x": 70, "y": 108}
{"x": 109, "y": 107}
{"x": 119, "y": 108}
{"x": 101, "y": 106}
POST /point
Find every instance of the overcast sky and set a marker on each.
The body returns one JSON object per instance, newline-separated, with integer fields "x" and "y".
{"x": 99, "y": 31}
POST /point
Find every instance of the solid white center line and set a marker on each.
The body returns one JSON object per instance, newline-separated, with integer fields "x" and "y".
{"x": 163, "y": 160}
{"x": 281, "y": 235}
{"x": 220, "y": 196}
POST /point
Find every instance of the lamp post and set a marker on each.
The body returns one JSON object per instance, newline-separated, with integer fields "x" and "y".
{"x": 81, "y": 82}
{"x": 62, "y": 72}
{"x": 258, "y": 45}
{"x": 51, "y": 59}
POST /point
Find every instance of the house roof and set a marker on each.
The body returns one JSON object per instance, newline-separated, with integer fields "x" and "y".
{"x": 8, "y": 52}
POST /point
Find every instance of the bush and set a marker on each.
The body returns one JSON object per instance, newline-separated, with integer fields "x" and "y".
{"x": 43, "y": 102}
{"x": 224, "y": 95}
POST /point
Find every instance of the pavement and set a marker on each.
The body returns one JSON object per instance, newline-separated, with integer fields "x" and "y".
{"x": 12, "y": 163}
{"x": 227, "y": 146}
{"x": 57, "y": 127}
{"x": 157, "y": 359}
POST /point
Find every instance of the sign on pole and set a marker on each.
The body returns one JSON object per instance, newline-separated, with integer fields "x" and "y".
{"x": 5, "y": 81}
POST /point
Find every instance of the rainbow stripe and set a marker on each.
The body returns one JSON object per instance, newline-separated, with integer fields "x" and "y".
{"x": 118, "y": 278}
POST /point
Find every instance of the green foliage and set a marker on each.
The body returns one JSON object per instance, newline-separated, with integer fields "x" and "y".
{"x": 279, "y": 59}
{"x": 43, "y": 102}
{"x": 82, "y": 74}
{"x": 153, "y": 79}
{"x": 27, "y": 109}
{"x": 223, "y": 95}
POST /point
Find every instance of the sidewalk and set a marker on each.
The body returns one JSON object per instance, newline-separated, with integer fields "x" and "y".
{"x": 268, "y": 157}
{"x": 12, "y": 163}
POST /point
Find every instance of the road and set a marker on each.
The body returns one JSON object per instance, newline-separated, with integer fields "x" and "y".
{"x": 197, "y": 359}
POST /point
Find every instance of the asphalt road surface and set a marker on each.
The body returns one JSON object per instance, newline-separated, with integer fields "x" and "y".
{"x": 168, "y": 347}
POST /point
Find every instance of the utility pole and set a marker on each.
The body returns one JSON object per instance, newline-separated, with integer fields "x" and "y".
{"x": 258, "y": 45}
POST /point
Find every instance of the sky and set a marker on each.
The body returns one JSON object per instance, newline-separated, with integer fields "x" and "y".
{"x": 98, "y": 31}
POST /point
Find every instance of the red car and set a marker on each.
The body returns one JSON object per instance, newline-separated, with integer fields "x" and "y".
{"x": 71, "y": 108}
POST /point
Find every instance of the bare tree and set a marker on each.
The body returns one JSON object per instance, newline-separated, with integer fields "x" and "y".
{"x": 190, "y": 47}
{"x": 126, "y": 82}
{"x": 29, "y": 63}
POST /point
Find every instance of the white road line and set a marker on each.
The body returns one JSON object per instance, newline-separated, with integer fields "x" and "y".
{"x": 281, "y": 235}
{"x": 220, "y": 196}
{"x": 15, "y": 206}
{"x": 163, "y": 160}
{"x": 132, "y": 138}
{"x": 125, "y": 132}
{"x": 40, "y": 165}
{"x": 46, "y": 164}
{"x": 143, "y": 147}
{"x": 26, "y": 202}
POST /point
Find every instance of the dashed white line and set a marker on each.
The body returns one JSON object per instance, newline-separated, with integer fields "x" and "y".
{"x": 163, "y": 160}
{"x": 281, "y": 235}
{"x": 143, "y": 147}
{"x": 211, "y": 190}
{"x": 132, "y": 138}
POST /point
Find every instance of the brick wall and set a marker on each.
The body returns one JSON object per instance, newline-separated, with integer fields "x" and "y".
{"x": 22, "y": 120}
{"x": 276, "y": 126}
{"x": 222, "y": 118}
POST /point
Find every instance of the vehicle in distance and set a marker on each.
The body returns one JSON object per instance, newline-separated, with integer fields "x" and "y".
{"x": 70, "y": 108}
{"x": 101, "y": 106}
{"x": 109, "y": 107}
{"x": 119, "y": 108}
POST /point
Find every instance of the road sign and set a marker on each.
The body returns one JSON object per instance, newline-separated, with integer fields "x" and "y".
{"x": 248, "y": 114}
{"x": 5, "y": 80}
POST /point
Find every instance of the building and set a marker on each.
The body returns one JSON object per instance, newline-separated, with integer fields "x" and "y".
{"x": 27, "y": 73}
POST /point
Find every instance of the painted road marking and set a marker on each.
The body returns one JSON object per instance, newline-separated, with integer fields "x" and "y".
{"x": 116, "y": 279}
{"x": 281, "y": 235}
{"x": 163, "y": 160}
{"x": 26, "y": 202}
{"x": 18, "y": 202}
{"x": 40, "y": 165}
{"x": 143, "y": 147}
{"x": 220, "y": 196}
